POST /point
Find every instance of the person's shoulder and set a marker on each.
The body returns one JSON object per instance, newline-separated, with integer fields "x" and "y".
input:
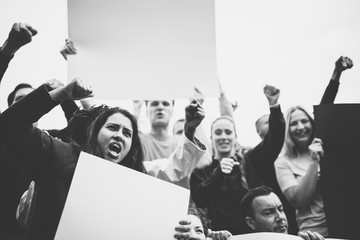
{"x": 282, "y": 160}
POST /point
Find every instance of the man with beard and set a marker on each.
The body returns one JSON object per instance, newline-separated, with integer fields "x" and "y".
{"x": 264, "y": 212}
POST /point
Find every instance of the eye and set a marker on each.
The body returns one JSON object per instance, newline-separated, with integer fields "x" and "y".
{"x": 112, "y": 127}
{"x": 228, "y": 132}
{"x": 281, "y": 208}
{"x": 199, "y": 230}
{"x": 217, "y": 132}
{"x": 292, "y": 124}
{"x": 268, "y": 212}
{"x": 304, "y": 121}
{"x": 154, "y": 103}
{"x": 165, "y": 103}
{"x": 127, "y": 133}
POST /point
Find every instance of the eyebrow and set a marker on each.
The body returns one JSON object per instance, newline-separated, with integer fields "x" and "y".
{"x": 118, "y": 125}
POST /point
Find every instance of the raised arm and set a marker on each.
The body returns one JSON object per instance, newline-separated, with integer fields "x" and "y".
{"x": 19, "y": 35}
{"x": 265, "y": 153}
{"x": 225, "y": 107}
{"x": 331, "y": 90}
{"x": 25, "y": 142}
{"x": 68, "y": 106}
{"x": 188, "y": 152}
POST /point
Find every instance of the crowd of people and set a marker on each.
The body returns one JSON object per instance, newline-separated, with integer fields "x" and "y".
{"x": 273, "y": 187}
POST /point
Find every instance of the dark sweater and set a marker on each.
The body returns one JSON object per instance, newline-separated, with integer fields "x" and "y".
{"x": 222, "y": 193}
{"x": 48, "y": 161}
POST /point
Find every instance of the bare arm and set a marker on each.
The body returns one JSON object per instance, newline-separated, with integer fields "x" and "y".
{"x": 301, "y": 196}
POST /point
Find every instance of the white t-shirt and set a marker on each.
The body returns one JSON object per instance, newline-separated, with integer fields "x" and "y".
{"x": 289, "y": 173}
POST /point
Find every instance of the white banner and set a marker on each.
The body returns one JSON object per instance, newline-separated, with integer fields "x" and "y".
{"x": 265, "y": 236}
{"x": 141, "y": 49}
{"x": 109, "y": 201}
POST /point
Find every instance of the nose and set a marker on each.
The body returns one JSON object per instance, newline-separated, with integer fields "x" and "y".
{"x": 300, "y": 125}
{"x": 223, "y": 135}
{"x": 118, "y": 135}
{"x": 280, "y": 216}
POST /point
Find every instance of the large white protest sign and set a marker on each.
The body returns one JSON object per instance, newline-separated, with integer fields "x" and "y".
{"x": 109, "y": 201}
{"x": 141, "y": 49}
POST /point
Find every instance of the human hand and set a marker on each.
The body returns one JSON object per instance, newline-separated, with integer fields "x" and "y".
{"x": 343, "y": 63}
{"x": 316, "y": 149}
{"x": 75, "y": 90}
{"x": 272, "y": 94}
{"x": 68, "y": 48}
{"x": 219, "y": 235}
{"x": 234, "y": 105}
{"x": 198, "y": 95}
{"x": 183, "y": 230}
{"x": 227, "y": 165}
{"x": 19, "y": 35}
{"x": 54, "y": 83}
{"x": 194, "y": 114}
{"x": 308, "y": 235}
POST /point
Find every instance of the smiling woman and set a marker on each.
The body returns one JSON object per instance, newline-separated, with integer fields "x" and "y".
{"x": 221, "y": 186}
{"x": 298, "y": 171}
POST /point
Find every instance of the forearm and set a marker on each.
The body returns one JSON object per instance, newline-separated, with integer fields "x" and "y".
{"x": 225, "y": 107}
{"x": 301, "y": 196}
{"x": 69, "y": 107}
{"x": 180, "y": 164}
{"x": 4, "y": 63}
{"x": 331, "y": 89}
{"x": 266, "y": 152}
{"x": 28, "y": 110}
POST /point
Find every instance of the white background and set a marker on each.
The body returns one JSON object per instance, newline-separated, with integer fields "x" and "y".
{"x": 291, "y": 44}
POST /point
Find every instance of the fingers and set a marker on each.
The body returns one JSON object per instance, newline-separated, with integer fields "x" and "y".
{"x": 183, "y": 230}
{"x": 68, "y": 49}
{"x": 219, "y": 235}
{"x": 304, "y": 236}
{"x": 271, "y": 90}
{"x": 227, "y": 165}
{"x": 272, "y": 94}
{"x": 24, "y": 28}
{"x": 309, "y": 235}
{"x": 349, "y": 62}
{"x": 31, "y": 29}
{"x": 81, "y": 90}
{"x": 234, "y": 105}
{"x": 318, "y": 236}
{"x": 195, "y": 110}
{"x": 343, "y": 63}
{"x": 54, "y": 83}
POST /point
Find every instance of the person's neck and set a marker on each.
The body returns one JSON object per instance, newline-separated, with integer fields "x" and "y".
{"x": 159, "y": 133}
{"x": 303, "y": 149}
{"x": 220, "y": 156}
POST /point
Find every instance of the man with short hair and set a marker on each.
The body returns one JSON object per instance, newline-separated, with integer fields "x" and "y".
{"x": 158, "y": 143}
{"x": 264, "y": 212}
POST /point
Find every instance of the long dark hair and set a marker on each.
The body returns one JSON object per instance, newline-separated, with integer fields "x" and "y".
{"x": 134, "y": 158}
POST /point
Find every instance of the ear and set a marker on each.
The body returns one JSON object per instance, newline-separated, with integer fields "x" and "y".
{"x": 250, "y": 222}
